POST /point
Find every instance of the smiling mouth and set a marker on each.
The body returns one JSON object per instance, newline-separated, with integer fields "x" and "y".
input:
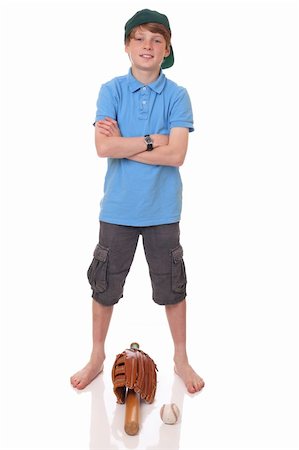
{"x": 145, "y": 56}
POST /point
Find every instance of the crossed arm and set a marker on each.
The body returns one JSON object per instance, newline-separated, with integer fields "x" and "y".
{"x": 169, "y": 150}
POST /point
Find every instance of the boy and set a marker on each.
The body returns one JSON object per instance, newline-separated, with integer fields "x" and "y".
{"x": 142, "y": 125}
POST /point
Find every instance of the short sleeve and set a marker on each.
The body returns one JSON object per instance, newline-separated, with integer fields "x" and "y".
{"x": 181, "y": 114}
{"x": 106, "y": 104}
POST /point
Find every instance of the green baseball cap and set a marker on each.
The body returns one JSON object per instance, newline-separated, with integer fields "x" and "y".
{"x": 149, "y": 16}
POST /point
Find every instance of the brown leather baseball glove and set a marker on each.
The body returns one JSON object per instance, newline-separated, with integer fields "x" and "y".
{"x": 134, "y": 369}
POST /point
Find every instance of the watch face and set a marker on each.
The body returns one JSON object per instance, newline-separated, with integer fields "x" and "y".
{"x": 149, "y": 142}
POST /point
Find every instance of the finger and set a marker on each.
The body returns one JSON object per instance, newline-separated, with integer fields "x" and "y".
{"x": 113, "y": 128}
{"x": 105, "y": 127}
{"x": 108, "y": 126}
{"x": 104, "y": 122}
{"x": 111, "y": 120}
{"x": 114, "y": 125}
{"x": 103, "y": 131}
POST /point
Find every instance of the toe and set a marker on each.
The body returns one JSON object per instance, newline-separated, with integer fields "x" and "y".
{"x": 199, "y": 385}
{"x": 197, "y": 388}
{"x": 81, "y": 385}
{"x": 190, "y": 388}
{"x": 75, "y": 381}
{"x": 74, "y": 377}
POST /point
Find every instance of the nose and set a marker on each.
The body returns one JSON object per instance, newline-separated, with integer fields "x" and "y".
{"x": 147, "y": 44}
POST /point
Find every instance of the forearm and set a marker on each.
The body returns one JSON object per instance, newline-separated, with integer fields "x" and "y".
{"x": 119, "y": 147}
{"x": 163, "y": 156}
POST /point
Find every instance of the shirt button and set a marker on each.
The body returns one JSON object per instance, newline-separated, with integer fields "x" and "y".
{"x": 144, "y": 88}
{"x": 144, "y": 102}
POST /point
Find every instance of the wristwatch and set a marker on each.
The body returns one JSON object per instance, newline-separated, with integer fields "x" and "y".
{"x": 149, "y": 142}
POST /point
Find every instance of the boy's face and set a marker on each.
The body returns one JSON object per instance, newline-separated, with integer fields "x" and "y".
{"x": 147, "y": 50}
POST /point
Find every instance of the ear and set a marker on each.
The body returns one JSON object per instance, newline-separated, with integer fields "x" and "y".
{"x": 126, "y": 48}
{"x": 167, "y": 52}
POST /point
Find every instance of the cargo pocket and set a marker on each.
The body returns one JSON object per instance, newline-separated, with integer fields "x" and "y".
{"x": 178, "y": 272}
{"x": 97, "y": 272}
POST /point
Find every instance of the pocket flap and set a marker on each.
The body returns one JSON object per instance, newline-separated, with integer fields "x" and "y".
{"x": 101, "y": 253}
{"x": 177, "y": 254}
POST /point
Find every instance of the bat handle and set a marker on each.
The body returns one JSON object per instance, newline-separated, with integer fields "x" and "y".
{"x": 132, "y": 415}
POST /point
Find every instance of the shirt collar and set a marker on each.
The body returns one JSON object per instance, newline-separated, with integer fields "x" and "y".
{"x": 157, "y": 85}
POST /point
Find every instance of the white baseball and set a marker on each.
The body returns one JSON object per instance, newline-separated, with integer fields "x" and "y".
{"x": 170, "y": 413}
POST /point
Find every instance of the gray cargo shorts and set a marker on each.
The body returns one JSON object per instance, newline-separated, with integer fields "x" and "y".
{"x": 114, "y": 254}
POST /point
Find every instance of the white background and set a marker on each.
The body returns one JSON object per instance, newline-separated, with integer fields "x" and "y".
{"x": 239, "y": 62}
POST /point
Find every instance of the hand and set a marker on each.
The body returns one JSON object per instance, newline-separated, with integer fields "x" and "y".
{"x": 108, "y": 127}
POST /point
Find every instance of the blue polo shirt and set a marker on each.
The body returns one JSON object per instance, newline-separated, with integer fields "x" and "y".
{"x": 138, "y": 194}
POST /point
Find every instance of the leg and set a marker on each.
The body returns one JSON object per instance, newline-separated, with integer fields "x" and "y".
{"x": 176, "y": 315}
{"x": 101, "y": 316}
{"x": 164, "y": 255}
{"x": 111, "y": 266}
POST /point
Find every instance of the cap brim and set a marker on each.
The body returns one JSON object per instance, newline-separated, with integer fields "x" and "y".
{"x": 169, "y": 60}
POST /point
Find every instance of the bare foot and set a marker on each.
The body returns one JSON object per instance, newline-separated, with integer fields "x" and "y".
{"x": 82, "y": 378}
{"x": 194, "y": 383}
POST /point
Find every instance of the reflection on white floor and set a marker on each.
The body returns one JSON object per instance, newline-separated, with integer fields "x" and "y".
{"x": 107, "y": 417}
{"x": 240, "y": 406}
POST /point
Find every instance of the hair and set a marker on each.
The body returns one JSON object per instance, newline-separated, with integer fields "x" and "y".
{"x": 153, "y": 28}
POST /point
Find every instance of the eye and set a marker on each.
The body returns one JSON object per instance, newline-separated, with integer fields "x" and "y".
{"x": 158, "y": 41}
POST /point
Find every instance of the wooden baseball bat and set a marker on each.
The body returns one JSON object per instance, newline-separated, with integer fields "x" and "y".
{"x": 132, "y": 413}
